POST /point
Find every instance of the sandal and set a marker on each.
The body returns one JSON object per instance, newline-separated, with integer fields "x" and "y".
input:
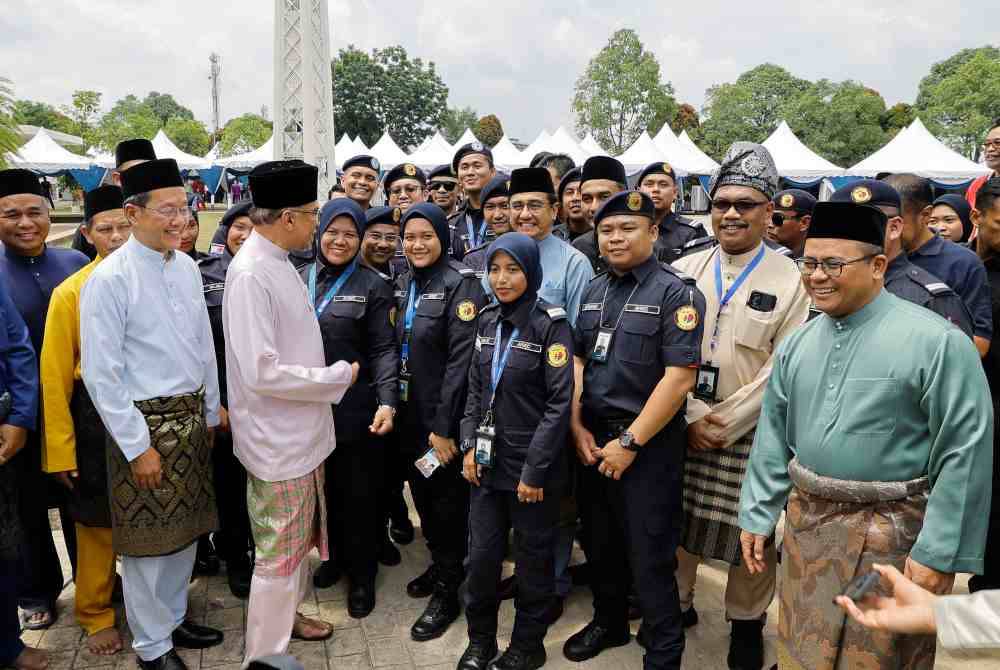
{"x": 51, "y": 615}
{"x": 302, "y": 621}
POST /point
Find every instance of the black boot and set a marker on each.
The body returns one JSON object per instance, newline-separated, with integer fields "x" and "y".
{"x": 239, "y": 574}
{"x": 441, "y": 611}
{"x": 423, "y": 585}
{"x": 591, "y": 641}
{"x": 361, "y": 599}
{"x": 478, "y": 654}
{"x": 206, "y": 561}
{"x": 746, "y": 646}
{"x": 327, "y": 574}
{"x": 515, "y": 659}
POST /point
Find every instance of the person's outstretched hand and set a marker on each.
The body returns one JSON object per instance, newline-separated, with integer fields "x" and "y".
{"x": 910, "y": 610}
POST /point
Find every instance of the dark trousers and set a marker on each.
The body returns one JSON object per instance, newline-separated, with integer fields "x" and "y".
{"x": 634, "y": 523}
{"x": 354, "y": 481}
{"x": 10, "y": 626}
{"x": 492, "y": 514}
{"x": 442, "y": 500}
{"x": 233, "y": 540}
{"x": 392, "y": 504}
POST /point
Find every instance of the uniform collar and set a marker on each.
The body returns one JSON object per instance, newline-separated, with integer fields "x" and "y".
{"x": 642, "y": 270}
{"x": 931, "y": 247}
{"x": 863, "y": 315}
{"x": 897, "y": 266}
{"x": 519, "y": 317}
{"x": 739, "y": 260}
{"x": 146, "y": 254}
{"x": 667, "y": 222}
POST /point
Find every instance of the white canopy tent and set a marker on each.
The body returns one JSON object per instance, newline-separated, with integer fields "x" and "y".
{"x": 506, "y": 156}
{"x": 538, "y": 145}
{"x": 917, "y": 151}
{"x": 562, "y": 142}
{"x": 590, "y": 146}
{"x": 795, "y": 160}
{"x": 642, "y": 152}
{"x": 104, "y": 159}
{"x": 467, "y": 138}
{"x": 343, "y": 149}
{"x": 359, "y": 147}
{"x": 435, "y": 152}
{"x": 686, "y": 141}
{"x": 681, "y": 157}
{"x": 250, "y": 159}
{"x": 43, "y": 154}
{"x": 387, "y": 152}
{"x": 164, "y": 148}
{"x": 213, "y": 154}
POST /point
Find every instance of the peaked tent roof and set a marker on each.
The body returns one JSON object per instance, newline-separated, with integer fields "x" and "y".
{"x": 540, "y": 144}
{"x": 562, "y": 142}
{"x": 250, "y": 159}
{"x": 435, "y": 152}
{"x": 795, "y": 160}
{"x": 681, "y": 158}
{"x": 213, "y": 153}
{"x": 506, "y": 156}
{"x": 467, "y": 138}
{"x": 642, "y": 152}
{"x": 916, "y": 150}
{"x": 43, "y": 154}
{"x": 590, "y": 146}
{"x": 164, "y": 148}
{"x": 103, "y": 159}
{"x": 387, "y": 152}
{"x": 344, "y": 148}
{"x": 687, "y": 142}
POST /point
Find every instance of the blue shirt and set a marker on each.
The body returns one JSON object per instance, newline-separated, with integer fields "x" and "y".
{"x": 960, "y": 269}
{"x": 145, "y": 333}
{"x": 31, "y": 280}
{"x": 18, "y": 365}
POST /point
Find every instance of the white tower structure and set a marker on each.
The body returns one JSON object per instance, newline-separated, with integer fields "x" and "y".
{"x": 303, "y": 90}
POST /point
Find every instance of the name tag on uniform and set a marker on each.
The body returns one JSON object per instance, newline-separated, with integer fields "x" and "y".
{"x": 601, "y": 346}
{"x": 643, "y": 309}
{"x": 432, "y": 296}
{"x": 526, "y": 346}
{"x": 591, "y": 307}
{"x": 481, "y": 340}
{"x": 350, "y": 298}
{"x": 400, "y": 294}
{"x": 210, "y": 288}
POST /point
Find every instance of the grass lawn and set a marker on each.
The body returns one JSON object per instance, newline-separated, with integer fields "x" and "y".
{"x": 209, "y": 222}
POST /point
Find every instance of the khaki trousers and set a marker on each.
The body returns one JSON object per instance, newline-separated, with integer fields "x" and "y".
{"x": 747, "y": 596}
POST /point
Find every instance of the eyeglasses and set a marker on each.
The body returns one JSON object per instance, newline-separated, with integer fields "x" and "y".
{"x": 448, "y": 186}
{"x": 741, "y": 206}
{"x": 534, "y": 206}
{"x": 410, "y": 190}
{"x": 991, "y": 145}
{"x": 778, "y": 219}
{"x": 379, "y": 237}
{"x": 170, "y": 213}
{"x": 309, "y": 212}
{"x": 832, "y": 267}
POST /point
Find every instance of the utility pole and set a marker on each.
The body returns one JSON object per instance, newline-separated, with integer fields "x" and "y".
{"x": 214, "y": 77}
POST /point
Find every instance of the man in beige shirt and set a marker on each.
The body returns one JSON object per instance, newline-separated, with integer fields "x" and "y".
{"x": 754, "y": 298}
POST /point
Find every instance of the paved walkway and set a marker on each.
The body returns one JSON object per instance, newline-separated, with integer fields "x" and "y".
{"x": 382, "y": 640}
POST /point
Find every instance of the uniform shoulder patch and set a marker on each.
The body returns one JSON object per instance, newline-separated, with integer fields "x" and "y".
{"x": 938, "y": 288}
{"x": 557, "y": 355}
{"x": 492, "y": 305}
{"x": 686, "y": 318}
{"x": 466, "y": 310}
{"x": 467, "y": 272}
{"x": 556, "y": 313}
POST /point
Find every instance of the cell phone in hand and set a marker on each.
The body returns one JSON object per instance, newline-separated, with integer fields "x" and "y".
{"x": 860, "y": 586}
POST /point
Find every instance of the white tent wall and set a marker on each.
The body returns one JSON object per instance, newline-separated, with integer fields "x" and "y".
{"x": 165, "y": 148}
{"x": 43, "y": 154}
{"x": 796, "y": 161}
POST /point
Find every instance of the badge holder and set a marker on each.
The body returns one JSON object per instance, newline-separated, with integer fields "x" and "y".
{"x": 602, "y": 346}
{"x": 404, "y": 375}
{"x": 707, "y": 385}
{"x": 428, "y": 463}
{"x": 485, "y": 435}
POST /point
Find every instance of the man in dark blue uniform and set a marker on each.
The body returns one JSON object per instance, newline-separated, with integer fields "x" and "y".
{"x": 601, "y": 178}
{"x": 573, "y": 218}
{"x": 380, "y": 248}
{"x": 792, "y": 214}
{"x": 496, "y": 214}
{"x": 32, "y": 270}
{"x": 443, "y": 188}
{"x": 637, "y": 347}
{"x": 473, "y": 163}
{"x": 360, "y": 179}
{"x": 659, "y": 182}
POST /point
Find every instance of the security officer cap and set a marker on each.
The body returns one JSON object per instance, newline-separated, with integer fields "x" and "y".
{"x": 495, "y": 188}
{"x": 404, "y": 171}
{"x": 868, "y": 192}
{"x": 441, "y": 171}
{"x": 476, "y": 147}
{"x": 362, "y": 160}
{"x": 794, "y": 199}
{"x": 658, "y": 169}
{"x": 387, "y": 215}
{"x": 635, "y": 203}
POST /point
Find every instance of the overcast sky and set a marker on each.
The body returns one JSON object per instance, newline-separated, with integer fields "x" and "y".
{"x": 518, "y": 59}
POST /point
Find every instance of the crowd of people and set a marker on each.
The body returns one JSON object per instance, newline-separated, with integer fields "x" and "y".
{"x": 542, "y": 358}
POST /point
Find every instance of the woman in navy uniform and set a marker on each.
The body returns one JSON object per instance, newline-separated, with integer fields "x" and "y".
{"x": 356, "y": 312}
{"x": 513, "y": 434}
{"x": 233, "y": 542}
{"x": 438, "y": 300}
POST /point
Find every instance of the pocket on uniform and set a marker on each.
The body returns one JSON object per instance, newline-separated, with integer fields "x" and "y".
{"x": 347, "y": 310}
{"x": 431, "y": 308}
{"x": 638, "y": 344}
{"x": 869, "y": 407}
{"x": 754, "y": 332}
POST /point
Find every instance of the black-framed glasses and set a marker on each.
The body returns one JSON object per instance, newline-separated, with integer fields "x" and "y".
{"x": 832, "y": 267}
{"x": 410, "y": 189}
{"x": 741, "y": 206}
{"x": 778, "y": 219}
{"x": 533, "y": 206}
{"x": 309, "y": 212}
{"x": 448, "y": 186}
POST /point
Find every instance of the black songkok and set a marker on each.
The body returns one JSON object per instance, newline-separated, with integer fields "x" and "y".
{"x": 530, "y": 180}
{"x": 848, "y": 221}
{"x": 19, "y": 181}
{"x": 134, "y": 150}
{"x": 604, "y": 167}
{"x": 280, "y": 184}
{"x": 150, "y": 176}
{"x": 102, "y": 199}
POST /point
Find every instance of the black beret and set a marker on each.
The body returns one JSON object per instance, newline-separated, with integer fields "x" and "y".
{"x": 280, "y": 184}
{"x": 795, "y": 199}
{"x": 441, "y": 171}
{"x": 868, "y": 192}
{"x": 657, "y": 168}
{"x": 571, "y": 176}
{"x": 495, "y": 188}
{"x": 102, "y": 199}
{"x": 235, "y": 212}
{"x": 530, "y": 180}
{"x": 150, "y": 176}
{"x": 635, "y": 203}
{"x": 604, "y": 167}
{"x": 362, "y": 160}
{"x": 848, "y": 221}
{"x": 19, "y": 181}
{"x": 134, "y": 150}
{"x": 388, "y": 215}
{"x": 470, "y": 148}
{"x": 404, "y": 171}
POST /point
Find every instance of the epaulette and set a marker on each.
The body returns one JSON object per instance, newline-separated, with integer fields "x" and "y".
{"x": 929, "y": 282}
{"x": 556, "y": 313}
{"x": 600, "y": 274}
{"x": 698, "y": 242}
{"x": 203, "y": 259}
{"x": 492, "y": 305}
{"x": 683, "y": 276}
{"x": 467, "y": 272}
{"x": 938, "y": 288}
{"x": 690, "y": 223}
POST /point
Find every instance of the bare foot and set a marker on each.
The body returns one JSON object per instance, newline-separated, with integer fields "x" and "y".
{"x": 310, "y": 629}
{"x": 105, "y": 643}
{"x": 31, "y": 659}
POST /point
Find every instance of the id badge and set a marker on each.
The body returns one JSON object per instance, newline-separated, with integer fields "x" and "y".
{"x": 601, "y": 346}
{"x": 707, "y": 386}
{"x": 428, "y": 463}
{"x": 484, "y": 446}
{"x": 404, "y": 387}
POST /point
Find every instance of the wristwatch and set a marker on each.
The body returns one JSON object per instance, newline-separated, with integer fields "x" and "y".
{"x": 466, "y": 445}
{"x": 627, "y": 440}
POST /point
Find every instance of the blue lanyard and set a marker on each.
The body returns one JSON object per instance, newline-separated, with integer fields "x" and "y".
{"x": 499, "y": 361}
{"x": 474, "y": 241}
{"x": 334, "y": 290}
{"x": 411, "y": 309}
{"x": 723, "y": 301}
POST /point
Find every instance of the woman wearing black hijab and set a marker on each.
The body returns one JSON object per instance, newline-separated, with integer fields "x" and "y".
{"x": 513, "y": 437}
{"x": 438, "y": 300}
{"x": 952, "y": 217}
{"x": 356, "y": 312}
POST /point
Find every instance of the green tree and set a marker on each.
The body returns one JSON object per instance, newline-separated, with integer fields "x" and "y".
{"x": 128, "y": 119}
{"x": 488, "y": 130}
{"x": 387, "y": 91}
{"x": 841, "y": 122}
{"x": 946, "y": 68}
{"x": 165, "y": 107}
{"x": 455, "y": 120}
{"x": 245, "y": 133}
{"x": 620, "y": 94}
{"x": 189, "y": 135}
{"x": 961, "y": 106}
{"x": 897, "y": 117}
{"x": 686, "y": 118}
{"x": 83, "y": 111}
{"x": 8, "y": 126}
{"x": 749, "y": 108}
{"x": 43, "y": 115}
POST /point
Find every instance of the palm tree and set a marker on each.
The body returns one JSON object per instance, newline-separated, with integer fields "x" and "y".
{"x": 8, "y": 128}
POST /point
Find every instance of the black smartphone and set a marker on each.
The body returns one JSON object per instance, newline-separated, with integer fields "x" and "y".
{"x": 861, "y": 585}
{"x": 762, "y": 302}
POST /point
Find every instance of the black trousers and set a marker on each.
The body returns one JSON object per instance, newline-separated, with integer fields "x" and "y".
{"x": 355, "y": 473}
{"x": 10, "y": 626}
{"x": 392, "y": 504}
{"x": 233, "y": 541}
{"x": 492, "y": 514}
{"x": 642, "y": 514}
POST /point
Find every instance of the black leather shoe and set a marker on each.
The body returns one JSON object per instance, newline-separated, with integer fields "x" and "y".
{"x": 388, "y": 554}
{"x": 507, "y": 588}
{"x": 689, "y": 618}
{"x": 326, "y": 575}
{"x": 361, "y": 600}
{"x": 441, "y": 611}
{"x": 746, "y": 646}
{"x": 192, "y": 636}
{"x": 239, "y": 575}
{"x": 169, "y": 661}
{"x": 591, "y": 641}
{"x": 206, "y": 561}
{"x": 422, "y": 586}
{"x": 515, "y": 659}
{"x": 478, "y": 654}
{"x": 554, "y": 611}
{"x": 401, "y": 530}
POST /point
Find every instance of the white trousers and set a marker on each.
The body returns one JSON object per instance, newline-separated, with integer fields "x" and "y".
{"x": 274, "y": 602}
{"x": 156, "y": 598}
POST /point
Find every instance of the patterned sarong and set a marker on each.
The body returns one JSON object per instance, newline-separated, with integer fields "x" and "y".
{"x": 288, "y": 519}
{"x": 165, "y": 520}
{"x": 834, "y": 531}
{"x": 712, "y": 481}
